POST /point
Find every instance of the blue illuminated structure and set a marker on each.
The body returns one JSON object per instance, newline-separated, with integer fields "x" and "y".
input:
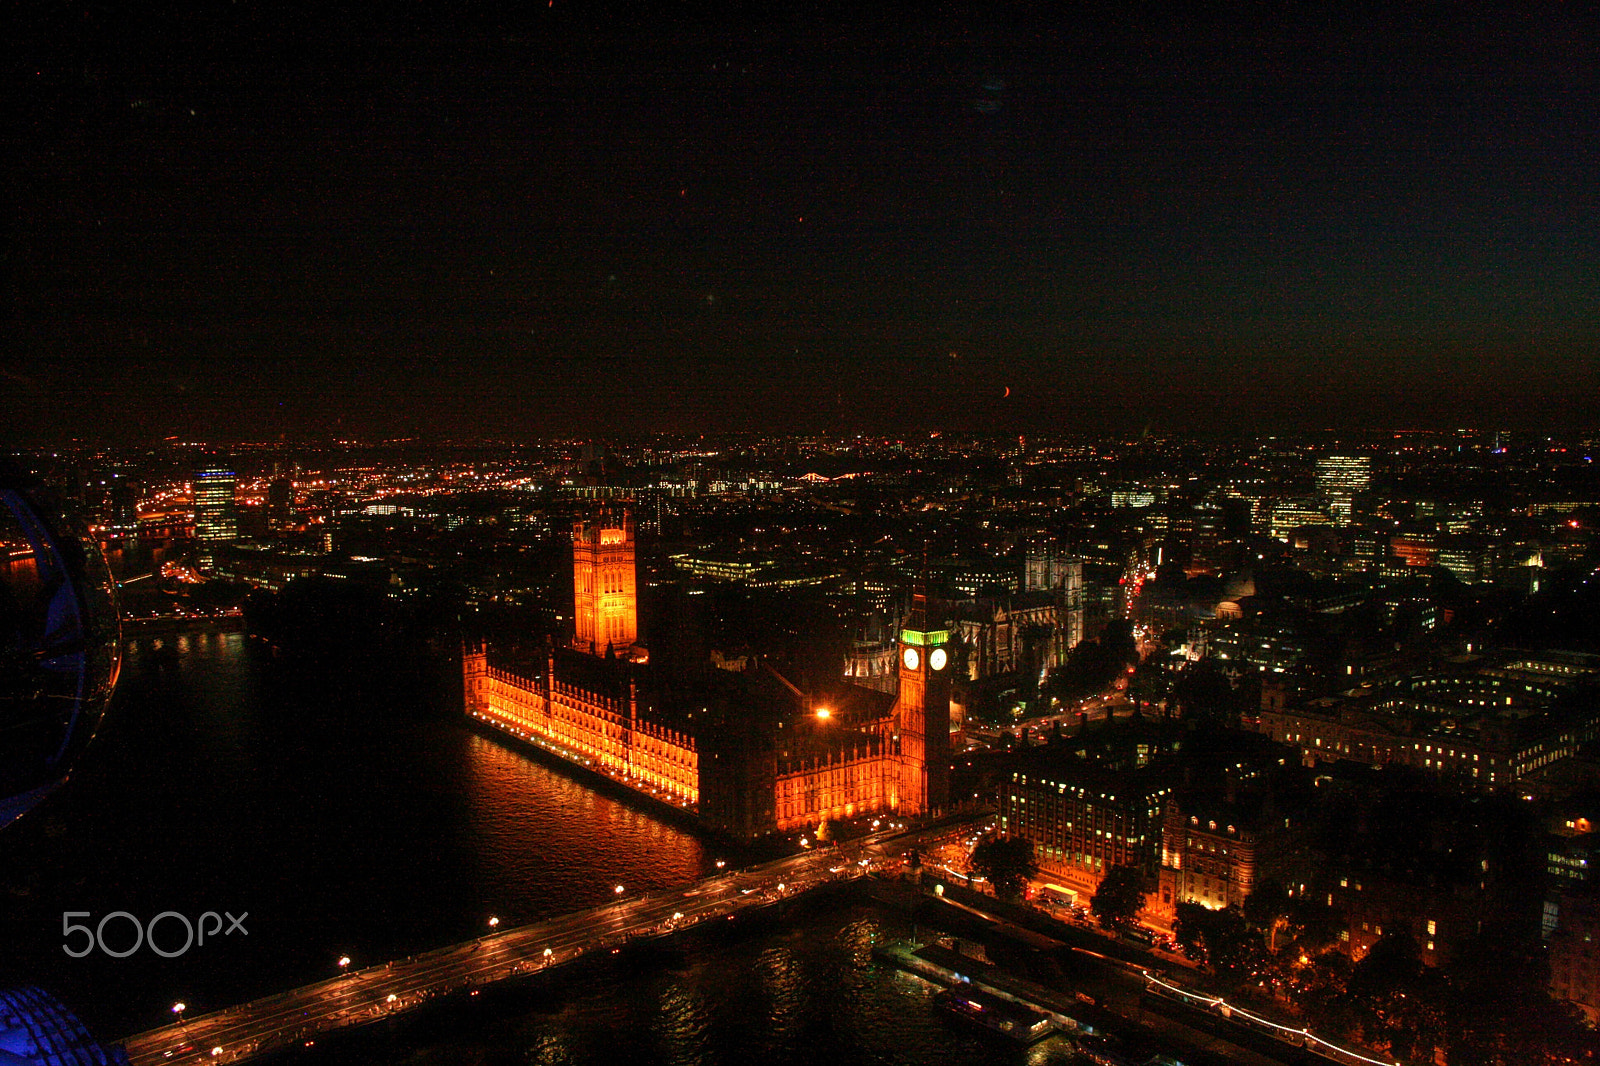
{"x": 36, "y": 1030}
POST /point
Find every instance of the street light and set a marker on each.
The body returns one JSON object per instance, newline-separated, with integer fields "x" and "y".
{"x": 344, "y": 963}
{"x": 618, "y": 890}
{"x": 493, "y": 921}
{"x": 720, "y": 864}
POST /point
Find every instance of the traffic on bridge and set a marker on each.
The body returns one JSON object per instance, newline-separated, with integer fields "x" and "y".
{"x": 371, "y": 994}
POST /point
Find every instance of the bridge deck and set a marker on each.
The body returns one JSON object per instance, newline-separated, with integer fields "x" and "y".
{"x": 369, "y": 995}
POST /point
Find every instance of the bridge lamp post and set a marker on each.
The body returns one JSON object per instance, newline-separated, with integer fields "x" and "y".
{"x": 178, "y": 1008}
{"x": 493, "y": 922}
{"x": 344, "y": 964}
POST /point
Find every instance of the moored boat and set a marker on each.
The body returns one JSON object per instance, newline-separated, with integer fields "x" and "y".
{"x": 1014, "y": 1021}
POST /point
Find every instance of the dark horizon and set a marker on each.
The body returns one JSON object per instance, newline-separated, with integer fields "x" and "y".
{"x": 902, "y": 394}
{"x": 325, "y": 222}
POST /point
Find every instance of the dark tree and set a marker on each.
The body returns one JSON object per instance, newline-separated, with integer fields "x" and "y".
{"x": 1119, "y": 898}
{"x": 1204, "y": 695}
{"x": 1007, "y": 864}
{"x": 1399, "y": 1002}
{"x": 1293, "y": 926}
{"x": 1117, "y": 639}
{"x": 1220, "y": 939}
{"x": 1188, "y": 929}
{"x": 1321, "y": 989}
{"x": 1268, "y": 907}
{"x": 1499, "y": 1010}
{"x": 1151, "y": 684}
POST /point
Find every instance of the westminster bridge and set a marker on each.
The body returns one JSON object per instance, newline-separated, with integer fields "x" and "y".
{"x": 374, "y": 993}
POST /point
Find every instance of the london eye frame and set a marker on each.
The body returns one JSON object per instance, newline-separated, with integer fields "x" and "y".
{"x": 60, "y": 643}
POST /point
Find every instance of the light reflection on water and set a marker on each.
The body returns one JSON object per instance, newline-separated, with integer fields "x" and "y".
{"x": 345, "y": 817}
{"x": 545, "y": 844}
{"x": 383, "y": 826}
{"x": 803, "y": 994}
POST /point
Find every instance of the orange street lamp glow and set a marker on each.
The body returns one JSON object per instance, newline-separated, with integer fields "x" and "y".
{"x": 823, "y": 714}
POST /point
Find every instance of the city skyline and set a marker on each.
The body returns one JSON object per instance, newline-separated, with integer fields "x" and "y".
{"x": 617, "y": 534}
{"x": 435, "y": 717}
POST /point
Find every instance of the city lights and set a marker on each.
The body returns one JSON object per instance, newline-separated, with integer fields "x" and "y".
{"x": 1073, "y": 475}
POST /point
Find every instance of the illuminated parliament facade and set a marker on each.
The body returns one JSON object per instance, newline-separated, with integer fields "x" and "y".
{"x": 767, "y": 759}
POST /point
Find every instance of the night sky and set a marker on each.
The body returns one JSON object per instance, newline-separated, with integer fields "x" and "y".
{"x": 252, "y": 221}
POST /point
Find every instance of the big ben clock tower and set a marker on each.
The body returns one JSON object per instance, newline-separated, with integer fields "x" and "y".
{"x": 922, "y": 711}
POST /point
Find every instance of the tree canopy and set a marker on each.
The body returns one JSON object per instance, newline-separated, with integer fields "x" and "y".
{"x": 1007, "y": 863}
{"x": 1219, "y": 939}
{"x": 1119, "y": 898}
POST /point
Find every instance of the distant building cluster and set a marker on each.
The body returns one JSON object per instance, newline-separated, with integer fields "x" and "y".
{"x": 1484, "y": 723}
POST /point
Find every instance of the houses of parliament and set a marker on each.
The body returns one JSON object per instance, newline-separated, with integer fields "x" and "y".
{"x": 749, "y": 757}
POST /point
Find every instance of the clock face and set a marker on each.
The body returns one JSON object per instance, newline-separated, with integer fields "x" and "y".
{"x": 911, "y": 658}
{"x": 937, "y": 659}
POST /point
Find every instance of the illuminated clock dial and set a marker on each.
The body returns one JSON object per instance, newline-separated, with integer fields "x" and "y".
{"x": 911, "y": 658}
{"x": 937, "y": 659}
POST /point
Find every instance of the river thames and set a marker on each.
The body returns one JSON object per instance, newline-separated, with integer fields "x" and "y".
{"x": 354, "y": 814}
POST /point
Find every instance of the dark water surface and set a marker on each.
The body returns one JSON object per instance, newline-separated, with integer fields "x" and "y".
{"x": 345, "y": 817}
{"x": 351, "y": 816}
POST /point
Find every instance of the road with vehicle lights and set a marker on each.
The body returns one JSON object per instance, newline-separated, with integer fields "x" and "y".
{"x": 359, "y": 997}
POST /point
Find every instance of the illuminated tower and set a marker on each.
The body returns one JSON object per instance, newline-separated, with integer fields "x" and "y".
{"x": 922, "y": 711}
{"x": 604, "y": 586}
{"x": 215, "y": 519}
{"x": 1339, "y": 479}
